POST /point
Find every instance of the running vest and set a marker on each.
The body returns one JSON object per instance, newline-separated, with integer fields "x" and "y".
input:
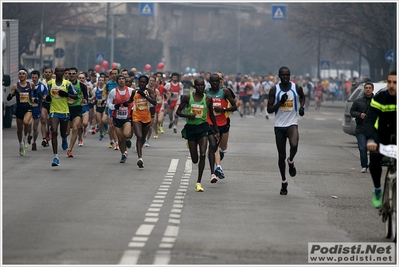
{"x": 123, "y": 112}
{"x": 286, "y": 113}
{"x": 99, "y": 95}
{"x": 40, "y": 91}
{"x": 141, "y": 108}
{"x": 255, "y": 90}
{"x": 58, "y": 103}
{"x": 198, "y": 108}
{"x": 23, "y": 95}
{"x": 218, "y": 102}
{"x": 175, "y": 89}
{"x": 77, "y": 88}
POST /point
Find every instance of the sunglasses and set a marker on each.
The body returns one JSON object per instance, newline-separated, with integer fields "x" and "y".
{"x": 72, "y": 73}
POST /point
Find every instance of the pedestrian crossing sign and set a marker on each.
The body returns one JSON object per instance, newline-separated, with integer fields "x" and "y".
{"x": 146, "y": 9}
{"x": 100, "y": 56}
{"x": 279, "y": 12}
{"x": 324, "y": 64}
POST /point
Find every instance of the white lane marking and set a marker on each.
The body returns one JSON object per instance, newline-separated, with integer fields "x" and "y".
{"x": 171, "y": 231}
{"x": 154, "y": 209}
{"x": 151, "y": 214}
{"x": 136, "y": 244}
{"x": 173, "y": 166}
{"x": 173, "y": 215}
{"x": 140, "y": 238}
{"x": 178, "y": 206}
{"x": 145, "y": 229}
{"x": 174, "y": 221}
{"x": 130, "y": 257}
{"x": 188, "y": 167}
{"x": 166, "y": 245}
{"x": 151, "y": 220}
{"x": 162, "y": 257}
{"x": 176, "y": 210}
{"x": 168, "y": 239}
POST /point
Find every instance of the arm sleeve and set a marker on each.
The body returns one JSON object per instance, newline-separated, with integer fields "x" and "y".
{"x": 355, "y": 110}
{"x": 371, "y": 117}
{"x": 84, "y": 90}
{"x": 110, "y": 99}
{"x": 71, "y": 90}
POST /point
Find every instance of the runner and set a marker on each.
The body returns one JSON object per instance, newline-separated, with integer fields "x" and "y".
{"x": 111, "y": 84}
{"x": 85, "y": 109}
{"x": 75, "y": 108}
{"x": 120, "y": 102}
{"x": 283, "y": 100}
{"x": 142, "y": 115}
{"x": 23, "y": 92}
{"x": 159, "y": 108}
{"x": 175, "y": 90}
{"x": 101, "y": 117}
{"x": 221, "y": 98}
{"x": 225, "y": 137}
{"x": 197, "y": 129}
{"x": 40, "y": 93}
{"x": 45, "y": 121}
{"x": 60, "y": 91}
{"x": 151, "y": 89}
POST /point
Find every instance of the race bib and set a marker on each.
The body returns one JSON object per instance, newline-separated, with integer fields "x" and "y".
{"x": 287, "y": 106}
{"x": 121, "y": 113}
{"x": 142, "y": 104}
{"x": 216, "y": 105}
{"x": 24, "y": 97}
{"x": 71, "y": 101}
{"x": 175, "y": 96}
{"x": 198, "y": 110}
{"x": 55, "y": 92}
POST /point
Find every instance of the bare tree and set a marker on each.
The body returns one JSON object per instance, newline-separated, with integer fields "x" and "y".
{"x": 364, "y": 28}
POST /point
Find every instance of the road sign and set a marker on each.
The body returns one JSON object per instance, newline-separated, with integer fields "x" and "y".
{"x": 390, "y": 56}
{"x": 146, "y": 9}
{"x": 59, "y": 52}
{"x": 324, "y": 64}
{"x": 100, "y": 56}
{"x": 279, "y": 12}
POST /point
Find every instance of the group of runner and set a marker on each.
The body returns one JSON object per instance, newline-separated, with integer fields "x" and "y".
{"x": 126, "y": 103}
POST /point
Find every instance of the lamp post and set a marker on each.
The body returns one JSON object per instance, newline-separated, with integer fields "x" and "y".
{"x": 112, "y": 32}
{"x": 238, "y": 37}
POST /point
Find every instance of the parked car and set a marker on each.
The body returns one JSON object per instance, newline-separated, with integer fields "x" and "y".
{"x": 349, "y": 123}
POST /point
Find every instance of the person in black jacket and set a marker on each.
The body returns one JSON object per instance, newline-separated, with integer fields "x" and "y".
{"x": 358, "y": 110}
{"x": 380, "y": 128}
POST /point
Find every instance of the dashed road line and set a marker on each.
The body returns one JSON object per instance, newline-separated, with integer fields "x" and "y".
{"x": 163, "y": 255}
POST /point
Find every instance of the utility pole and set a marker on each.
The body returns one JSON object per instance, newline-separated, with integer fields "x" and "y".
{"x": 318, "y": 56}
{"x": 238, "y": 37}
{"x": 41, "y": 39}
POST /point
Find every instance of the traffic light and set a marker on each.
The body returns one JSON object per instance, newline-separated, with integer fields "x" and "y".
{"x": 49, "y": 40}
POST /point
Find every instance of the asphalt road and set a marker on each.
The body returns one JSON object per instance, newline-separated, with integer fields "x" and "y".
{"x": 93, "y": 210}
